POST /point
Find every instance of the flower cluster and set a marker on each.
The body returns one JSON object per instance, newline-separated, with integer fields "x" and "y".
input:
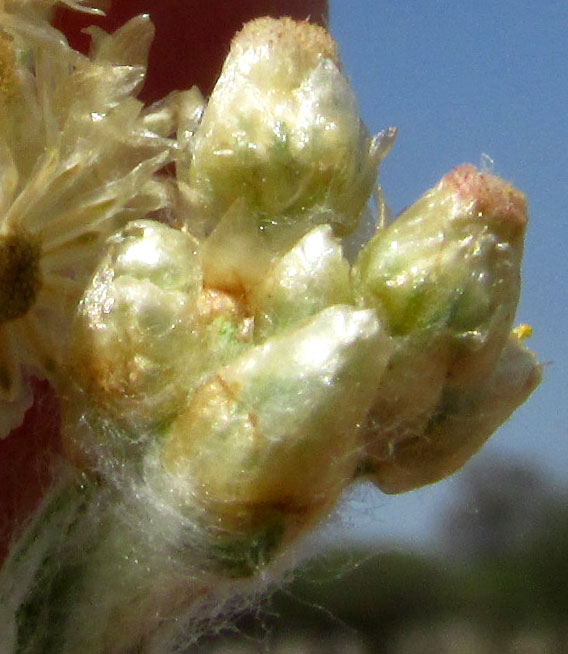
{"x": 225, "y": 371}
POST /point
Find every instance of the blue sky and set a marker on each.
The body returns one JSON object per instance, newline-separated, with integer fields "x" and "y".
{"x": 460, "y": 79}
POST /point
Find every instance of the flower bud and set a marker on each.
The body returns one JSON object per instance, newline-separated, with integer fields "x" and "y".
{"x": 450, "y": 266}
{"x": 134, "y": 317}
{"x": 146, "y": 331}
{"x": 274, "y": 434}
{"x": 282, "y": 132}
{"x": 459, "y": 426}
{"x": 445, "y": 277}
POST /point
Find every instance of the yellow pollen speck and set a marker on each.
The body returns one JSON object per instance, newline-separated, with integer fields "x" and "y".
{"x": 523, "y": 331}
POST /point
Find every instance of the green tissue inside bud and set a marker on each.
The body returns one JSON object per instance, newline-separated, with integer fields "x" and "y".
{"x": 49, "y": 603}
{"x": 20, "y": 274}
{"x": 308, "y": 278}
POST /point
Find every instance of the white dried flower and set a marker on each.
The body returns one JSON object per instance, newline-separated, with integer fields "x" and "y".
{"x": 76, "y": 162}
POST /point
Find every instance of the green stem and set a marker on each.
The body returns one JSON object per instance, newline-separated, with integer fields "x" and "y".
{"x": 37, "y": 576}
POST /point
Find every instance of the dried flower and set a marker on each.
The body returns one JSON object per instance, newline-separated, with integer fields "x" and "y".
{"x": 76, "y": 162}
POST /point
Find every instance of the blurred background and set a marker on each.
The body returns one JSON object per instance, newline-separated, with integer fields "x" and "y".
{"x": 479, "y": 562}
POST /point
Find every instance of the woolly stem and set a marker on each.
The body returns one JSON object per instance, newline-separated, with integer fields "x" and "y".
{"x": 33, "y": 580}
{"x": 89, "y": 575}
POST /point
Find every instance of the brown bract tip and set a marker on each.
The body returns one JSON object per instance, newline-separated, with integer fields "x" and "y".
{"x": 489, "y": 195}
{"x": 289, "y": 34}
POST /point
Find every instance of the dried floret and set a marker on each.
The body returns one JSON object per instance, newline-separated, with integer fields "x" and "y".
{"x": 76, "y": 162}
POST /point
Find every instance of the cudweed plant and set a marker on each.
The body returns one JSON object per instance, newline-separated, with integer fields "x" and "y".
{"x": 224, "y": 371}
